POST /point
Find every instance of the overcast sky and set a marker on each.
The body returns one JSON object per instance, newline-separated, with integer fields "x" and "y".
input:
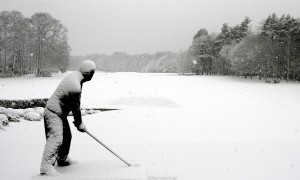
{"x": 138, "y": 26}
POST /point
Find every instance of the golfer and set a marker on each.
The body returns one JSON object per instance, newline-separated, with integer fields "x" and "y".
{"x": 64, "y": 100}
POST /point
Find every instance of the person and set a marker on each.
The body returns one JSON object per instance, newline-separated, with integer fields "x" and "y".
{"x": 64, "y": 100}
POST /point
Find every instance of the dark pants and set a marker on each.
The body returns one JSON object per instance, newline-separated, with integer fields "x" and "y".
{"x": 58, "y": 139}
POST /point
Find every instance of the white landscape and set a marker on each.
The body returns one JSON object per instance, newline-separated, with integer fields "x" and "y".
{"x": 174, "y": 126}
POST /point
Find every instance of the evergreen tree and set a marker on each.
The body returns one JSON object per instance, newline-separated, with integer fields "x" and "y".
{"x": 285, "y": 31}
{"x": 202, "y": 51}
{"x": 201, "y": 32}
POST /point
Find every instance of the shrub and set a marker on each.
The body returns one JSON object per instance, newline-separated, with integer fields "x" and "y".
{"x": 2, "y": 110}
{"x": 28, "y": 110}
{"x": 40, "y": 110}
{"x": 12, "y": 115}
{"x": 32, "y": 116}
{"x": 45, "y": 73}
{"x": 63, "y": 70}
{"x": 54, "y": 70}
{"x": 276, "y": 81}
{"x": 4, "y": 120}
{"x": 7, "y": 74}
{"x": 19, "y": 112}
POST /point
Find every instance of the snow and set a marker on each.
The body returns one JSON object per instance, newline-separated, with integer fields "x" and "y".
{"x": 87, "y": 66}
{"x": 32, "y": 116}
{"x": 176, "y": 127}
{"x": 69, "y": 85}
{"x": 3, "y": 120}
{"x": 12, "y": 115}
{"x": 39, "y": 110}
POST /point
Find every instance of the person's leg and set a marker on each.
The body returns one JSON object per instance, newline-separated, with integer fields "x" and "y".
{"x": 54, "y": 135}
{"x": 63, "y": 151}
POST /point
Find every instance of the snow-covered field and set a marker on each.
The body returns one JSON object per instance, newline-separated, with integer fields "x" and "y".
{"x": 176, "y": 127}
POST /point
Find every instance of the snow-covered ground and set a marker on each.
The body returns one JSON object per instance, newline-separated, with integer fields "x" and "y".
{"x": 176, "y": 127}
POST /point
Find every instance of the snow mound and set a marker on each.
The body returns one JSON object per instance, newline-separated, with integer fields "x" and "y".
{"x": 32, "y": 116}
{"x": 15, "y": 115}
{"x": 20, "y": 112}
{"x": 83, "y": 112}
{"x": 28, "y": 110}
{"x": 3, "y": 120}
{"x": 12, "y": 115}
{"x": 2, "y": 109}
{"x": 40, "y": 110}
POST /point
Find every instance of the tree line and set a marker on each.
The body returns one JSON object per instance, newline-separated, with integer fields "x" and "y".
{"x": 38, "y": 44}
{"x": 271, "y": 52}
{"x": 160, "y": 62}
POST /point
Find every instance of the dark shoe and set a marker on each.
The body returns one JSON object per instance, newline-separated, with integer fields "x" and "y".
{"x": 66, "y": 162}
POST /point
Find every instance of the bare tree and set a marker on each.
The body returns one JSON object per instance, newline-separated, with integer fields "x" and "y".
{"x": 4, "y": 25}
{"x": 49, "y": 34}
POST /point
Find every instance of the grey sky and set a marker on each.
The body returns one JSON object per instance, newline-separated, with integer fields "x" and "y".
{"x": 137, "y": 26}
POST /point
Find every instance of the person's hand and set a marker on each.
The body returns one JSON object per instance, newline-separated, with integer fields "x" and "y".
{"x": 81, "y": 128}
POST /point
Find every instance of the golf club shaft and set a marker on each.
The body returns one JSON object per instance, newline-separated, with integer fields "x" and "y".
{"x": 107, "y": 147}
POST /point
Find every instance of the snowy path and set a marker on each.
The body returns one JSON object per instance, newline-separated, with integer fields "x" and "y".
{"x": 195, "y": 127}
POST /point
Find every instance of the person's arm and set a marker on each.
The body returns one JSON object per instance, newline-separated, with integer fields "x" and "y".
{"x": 77, "y": 112}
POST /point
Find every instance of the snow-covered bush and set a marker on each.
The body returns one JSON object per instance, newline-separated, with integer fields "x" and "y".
{"x": 2, "y": 109}
{"x": 7, "y": 74}
{"x": 275, "y": 81}
{"x": 32, "y": 116}
{"x": 12, "y": 115}
{"x": 45, "y": 73}
{"x": 83, "y": 112}
{"x": 4, "y": 120}
{"x": 39, "y": 110}
{"x": 20, "y": 112}
{"x": 91, "y": 111}
{"x": 28, "y": 110}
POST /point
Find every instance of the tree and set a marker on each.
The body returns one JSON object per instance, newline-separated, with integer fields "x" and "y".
{"x": 244, "y": 56}
{"x": 238, "y": 32}
{"x": 226, "y": 54}
{"x": 22, "y": 40}
{"x": 285, "y": 31}
{"x": 224, "y": 37}
{"x": 201, "y": 32}
{"x": 48, "y": 34}
{"x": 4, "y": 24}
{"x": 201, "y": 50}
{"x": 228, "y": 35}
{"x": 244, "y": 28}
{"x": 18, "y": 31}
